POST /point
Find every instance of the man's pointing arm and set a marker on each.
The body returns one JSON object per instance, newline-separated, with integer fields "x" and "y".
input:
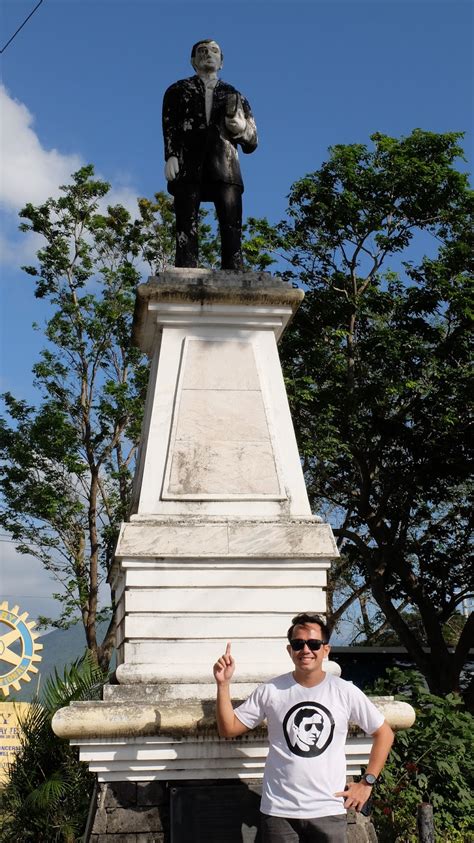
{"x": 228, "y": 725}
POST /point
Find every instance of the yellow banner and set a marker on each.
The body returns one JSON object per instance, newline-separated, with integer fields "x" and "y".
{"x": 11, "y": 714}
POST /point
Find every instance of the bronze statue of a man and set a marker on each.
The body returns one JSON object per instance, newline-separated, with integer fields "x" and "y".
{"x": 204, "y": 119}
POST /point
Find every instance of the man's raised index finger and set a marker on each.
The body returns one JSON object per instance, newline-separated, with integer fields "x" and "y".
{"x": 227, "y": 649}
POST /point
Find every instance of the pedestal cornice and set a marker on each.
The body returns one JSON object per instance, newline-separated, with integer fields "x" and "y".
{"x": 205, "y": 289}
{"x": 89, "y": 720}
{"x": 226, "y": 539}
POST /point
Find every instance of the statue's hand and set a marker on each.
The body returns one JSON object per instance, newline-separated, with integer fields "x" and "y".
{"x": 236, "y": 125}
{"x": 171, "y": 168}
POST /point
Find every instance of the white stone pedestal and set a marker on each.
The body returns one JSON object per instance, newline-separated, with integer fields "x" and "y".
{"x": 221, "y": 543}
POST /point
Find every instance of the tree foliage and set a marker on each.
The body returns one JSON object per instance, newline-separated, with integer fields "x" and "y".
{"x": 430, "y": 762}
{"x": 66, "y": 467}
{"x": 378, "y": 373}
{"x": 46, "y": 797}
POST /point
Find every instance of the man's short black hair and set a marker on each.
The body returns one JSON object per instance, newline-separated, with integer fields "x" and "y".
{"x": 204, "y": 41}
{"x": 307, "y": 617}
{"x": 306, "y": 713}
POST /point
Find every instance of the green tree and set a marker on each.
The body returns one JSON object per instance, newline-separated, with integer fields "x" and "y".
{"x": 377, "y": 368}
{"x": 65, "y": 475}
{"x": 374, "y": 629}
{"x": 430, "y": 762}
{"x": 46, "y": 797}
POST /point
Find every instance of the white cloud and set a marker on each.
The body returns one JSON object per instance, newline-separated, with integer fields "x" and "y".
{"x": 25, "y": 582}
{"x": 29, "y": 172}
{"x": 125, "y": 196}
{"x": 18, "y": 250}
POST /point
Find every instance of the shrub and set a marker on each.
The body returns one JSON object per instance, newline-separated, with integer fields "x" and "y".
{"x": 432, "y": 761}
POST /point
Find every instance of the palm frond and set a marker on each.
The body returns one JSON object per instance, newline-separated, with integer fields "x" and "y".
{"x": 46, "y": 797}
{"x": 81, "y": 680}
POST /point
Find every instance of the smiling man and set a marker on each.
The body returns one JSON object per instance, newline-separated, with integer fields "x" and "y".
{"x": 204, "y": 120}
{"x": 308, "y": 711}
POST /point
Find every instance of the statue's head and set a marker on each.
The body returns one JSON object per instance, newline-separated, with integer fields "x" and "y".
{"x": 206, "y": 55}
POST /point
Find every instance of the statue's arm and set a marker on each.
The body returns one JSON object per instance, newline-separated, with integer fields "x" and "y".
{"x": 170, "y": 122}
{"x": 247, "y": 137}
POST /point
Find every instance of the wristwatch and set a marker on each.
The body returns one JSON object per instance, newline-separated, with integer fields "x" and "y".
{"x": 369, "y": 778}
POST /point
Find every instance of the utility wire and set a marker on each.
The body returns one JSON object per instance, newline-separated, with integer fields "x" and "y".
{"x": 29, "y": 596}
{"x": 21, "y": 27}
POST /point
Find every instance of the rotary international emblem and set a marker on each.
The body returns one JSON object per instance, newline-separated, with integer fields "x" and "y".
{"x": 18, "y": 648}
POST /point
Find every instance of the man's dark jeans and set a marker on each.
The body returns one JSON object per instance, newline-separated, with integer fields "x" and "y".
{"x": 317, "y": 830}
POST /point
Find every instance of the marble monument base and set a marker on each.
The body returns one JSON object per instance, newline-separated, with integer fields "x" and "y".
{"x": 220, "y": 545}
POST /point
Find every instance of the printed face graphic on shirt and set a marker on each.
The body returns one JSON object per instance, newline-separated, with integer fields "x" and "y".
{"x": 308, "y": 728}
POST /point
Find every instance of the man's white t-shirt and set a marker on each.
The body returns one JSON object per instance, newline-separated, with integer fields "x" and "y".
{"x": 307, "y": 729}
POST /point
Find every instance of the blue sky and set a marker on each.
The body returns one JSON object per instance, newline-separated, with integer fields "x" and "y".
{"x": 83, "y": 83}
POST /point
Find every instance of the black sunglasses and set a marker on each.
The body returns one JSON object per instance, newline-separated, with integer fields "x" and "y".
{"x": 313, "y": 644}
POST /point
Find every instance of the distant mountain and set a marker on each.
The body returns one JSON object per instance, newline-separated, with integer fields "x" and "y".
{"x": 61, "y": 647}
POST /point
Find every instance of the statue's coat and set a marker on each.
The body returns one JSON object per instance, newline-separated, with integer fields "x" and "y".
{"x": 206, "y": 153}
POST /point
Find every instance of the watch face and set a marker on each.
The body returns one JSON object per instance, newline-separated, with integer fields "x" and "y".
{"x": 369, "y": 778}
